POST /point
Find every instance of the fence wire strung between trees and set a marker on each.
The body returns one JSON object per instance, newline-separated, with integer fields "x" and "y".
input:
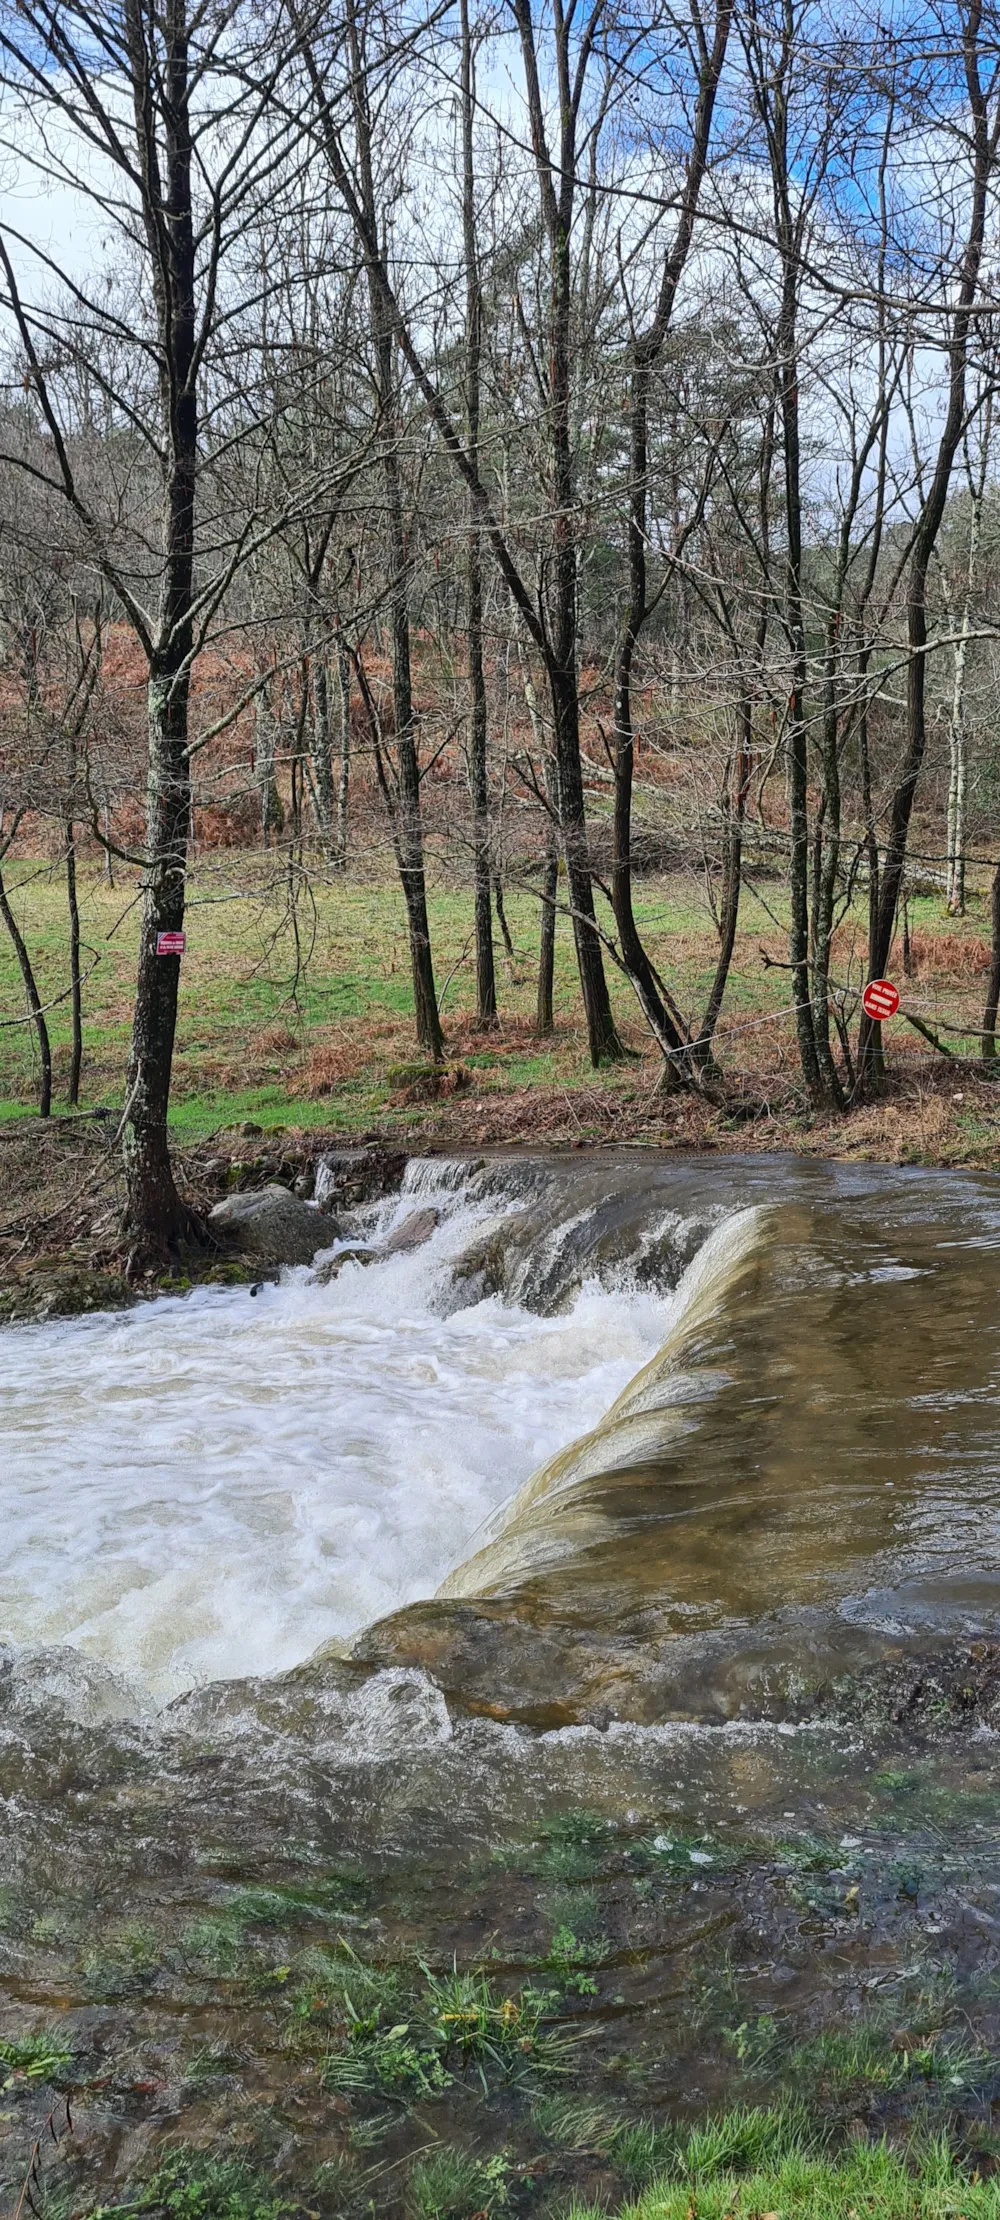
{"x": 561, "y": 443}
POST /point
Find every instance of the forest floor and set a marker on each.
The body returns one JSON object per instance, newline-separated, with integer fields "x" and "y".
{"x": 295, "y": 1035}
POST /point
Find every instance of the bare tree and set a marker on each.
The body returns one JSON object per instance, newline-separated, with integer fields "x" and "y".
{"x": 165, "y": 119}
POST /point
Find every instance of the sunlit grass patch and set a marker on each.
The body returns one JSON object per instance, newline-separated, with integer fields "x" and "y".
{"x": 41, "y": 2057}
{"x": 871, "y": 2181}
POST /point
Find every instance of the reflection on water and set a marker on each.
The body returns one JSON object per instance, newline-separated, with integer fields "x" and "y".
{"x": 817, "y": 1448}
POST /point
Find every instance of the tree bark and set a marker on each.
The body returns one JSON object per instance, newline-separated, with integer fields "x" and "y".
{"x": 34, "y": 1001}
{"x": 735, "y": 791}
{"x": 557, "y": 181}
{"x": 409, "y": 828}
{"x": 322, "y": 756}
{"x": 76, "y": 996}
{"x": 155, "y": 1218}
{"x": 989, "y": 1040}
{"x": 344, "y": 776}
{"x": 486, "y": 985}
{"x": 544, "y": 1018}
{"x": 646, "y": 352}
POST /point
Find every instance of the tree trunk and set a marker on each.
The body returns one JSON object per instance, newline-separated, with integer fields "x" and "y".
{"x": 344, "y": 778}
{"x": 796, "y": 743}
{"x": 486, "y": 985}
{"x": 76, "y": 997}
{"x": 557, "y": 182}
{"x": 409, "y": 826}
{"x": 601, "y": 1030}
{"x": 633, "y": 953}
{"x": 34, "y": 1003}
{"x": 322, "y": 756}
{"x": 983, "y": 140}
{"x": 647, "y": 349}
{"x": 735, "y": 791}
{"x": 272, "y": 819}
{"x": 550, "y": 887}
{"x": 501, "y": 914}
{"x": 155, "y": 1218}
{"x": 989, "y": 1040}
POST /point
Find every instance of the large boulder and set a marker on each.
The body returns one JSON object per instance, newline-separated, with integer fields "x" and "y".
{"x": 274, "y": 1225}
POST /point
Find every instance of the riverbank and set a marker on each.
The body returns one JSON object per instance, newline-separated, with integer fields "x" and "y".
{"x": 403, "y": 1965}
{"x": 61, "y": 1187}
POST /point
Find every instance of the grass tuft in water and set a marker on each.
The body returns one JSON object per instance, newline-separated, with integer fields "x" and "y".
{"x": 42, "y": 2057}
{"x": 126, "y": 1960}
{"x": 575, "y": 2123}
{"x": 194, "y": 2185}
{"x": 452, "y": 2184}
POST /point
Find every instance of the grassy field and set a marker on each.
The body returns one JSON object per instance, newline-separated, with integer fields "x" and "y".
{"x": 300, "y": 1020}
{"x": 301, "y": 1017}
{"x": 271, "y": 1031}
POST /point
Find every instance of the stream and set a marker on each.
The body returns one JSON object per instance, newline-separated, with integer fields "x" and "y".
{"x": 609, "y": 1587}
{"x": 754, "y": 1404}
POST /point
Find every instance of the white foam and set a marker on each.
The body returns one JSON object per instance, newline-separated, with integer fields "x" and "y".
{"x": 215, "y": 1485}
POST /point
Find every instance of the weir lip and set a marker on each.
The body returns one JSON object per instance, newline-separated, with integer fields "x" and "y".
{"x": 805, "y": 1476}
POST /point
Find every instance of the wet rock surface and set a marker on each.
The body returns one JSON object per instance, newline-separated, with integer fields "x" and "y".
{"x": 412, "y": 1232}
{"x": 935, "y": 1688}
{"x": 332, "y": 1266}
{"x": 272, "y": 1224}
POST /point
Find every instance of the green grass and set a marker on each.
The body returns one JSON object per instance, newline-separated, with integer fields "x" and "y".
{"x": 453, "y": 2026}
{"x": 238, "y": 982}
{"x": 249, "y": 1024}
{"x": 452, "y": 2184}
{"x": 43, "y": 2057}
{"x": 869, "y": 2182}
{"x": 197, "y": 2185}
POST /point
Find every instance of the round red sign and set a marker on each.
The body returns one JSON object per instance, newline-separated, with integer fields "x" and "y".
{"x": 880, "y": 999}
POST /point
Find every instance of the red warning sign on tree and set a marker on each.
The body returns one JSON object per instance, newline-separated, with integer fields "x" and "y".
{"x": 173, "y": 944}
{"x": 880, "y": 999}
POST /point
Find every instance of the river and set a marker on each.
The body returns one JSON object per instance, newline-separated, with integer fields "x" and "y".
{"x": 597, "y": 1606}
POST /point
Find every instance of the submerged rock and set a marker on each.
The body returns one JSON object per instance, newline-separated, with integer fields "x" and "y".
{"x": 273, "y": 1225}
{"x": 493, "y": 1657}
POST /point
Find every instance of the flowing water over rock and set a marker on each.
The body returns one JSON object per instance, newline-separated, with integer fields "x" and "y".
{"x": 680, "y": 1485}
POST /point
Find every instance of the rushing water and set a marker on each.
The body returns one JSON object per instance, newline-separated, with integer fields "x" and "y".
{"x": 743, "y": 1410}
{"x": 216, "y": 1484}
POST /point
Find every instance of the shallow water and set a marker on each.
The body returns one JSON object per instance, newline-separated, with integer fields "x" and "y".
{"x": 814, "y": 1454}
